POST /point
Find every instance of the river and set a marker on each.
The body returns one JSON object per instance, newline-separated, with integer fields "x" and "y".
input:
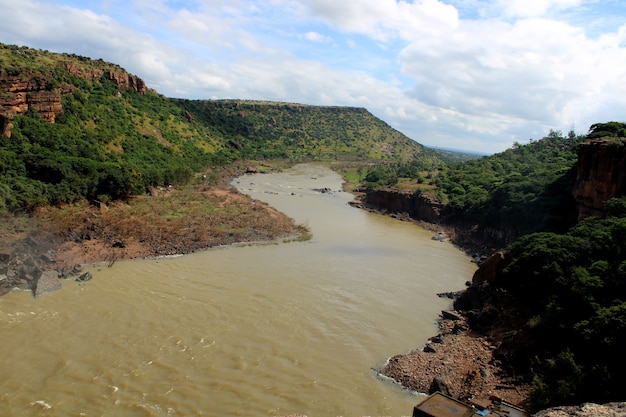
{"x": 251, "y": 330}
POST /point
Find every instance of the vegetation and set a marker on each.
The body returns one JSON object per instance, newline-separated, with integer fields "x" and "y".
{"x": 609, "y": 129}
{"x": 112, "y": 142}
{"x": 261, "y": 130}
{"x": 525, "y": 189}
{"x": 573, "y": 289}
{"x": 456, "y": 157}
{"x": 568, "y": 279}
{"x": 174, "y": 220}
{"x": 522, "y": 190}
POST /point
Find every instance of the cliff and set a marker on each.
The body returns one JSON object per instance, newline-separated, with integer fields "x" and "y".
{"x": 18, "y": 94}
{"x": 418, "y": 207}
{"x": 601, "y": 174}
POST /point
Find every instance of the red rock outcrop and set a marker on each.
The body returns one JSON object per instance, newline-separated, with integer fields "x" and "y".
{"x": 601, "y": 175}
{"x": 122, "y": 79}
{"x": 490, "y": 269}
{"x": 19, "y": 93}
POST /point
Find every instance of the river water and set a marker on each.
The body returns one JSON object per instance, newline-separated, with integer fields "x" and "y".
{"x": 255, "y": 330}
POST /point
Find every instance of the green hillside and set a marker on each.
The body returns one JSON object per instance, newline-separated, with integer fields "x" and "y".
{"x": 114, "y": 138}
{"x": 524, "y": 189}
{"x": 567, "y": 281}
{"x": 295, "y": 131}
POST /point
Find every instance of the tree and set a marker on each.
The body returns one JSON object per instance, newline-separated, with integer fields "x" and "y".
{"x": 609, "y": 129}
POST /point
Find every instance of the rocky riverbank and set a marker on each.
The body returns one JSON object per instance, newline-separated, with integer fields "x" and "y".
{"x": 468, "y": 358}
{"x": 458, "y": 362}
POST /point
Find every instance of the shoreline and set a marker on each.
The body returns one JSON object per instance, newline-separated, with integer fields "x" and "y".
{"x": 94, "y": 235}
{"x": 464, "y": 360}
{"x": 458, "y": 362}
{"x": 165, "y": 222}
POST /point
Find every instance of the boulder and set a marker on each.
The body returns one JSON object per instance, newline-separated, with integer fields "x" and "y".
{"x": 84, "y": 277}
{"x": 443, "y": 385}
{"x": 47, "y": 282}
{"x": 451, "y": 315}
{"x": 490, "y": 269}
{"x": 428, "y": 348}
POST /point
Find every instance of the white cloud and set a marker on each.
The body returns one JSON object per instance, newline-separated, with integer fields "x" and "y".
{"x": 384, "y": 19}
{"x": 534, "y": 8}
{"x": 464, "y": 73}
{"x": 316, "y": 37}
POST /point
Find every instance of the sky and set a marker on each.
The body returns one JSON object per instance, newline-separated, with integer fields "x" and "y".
{"x": 475, "y": 75}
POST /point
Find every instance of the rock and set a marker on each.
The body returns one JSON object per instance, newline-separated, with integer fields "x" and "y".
{"x": 428, "y": 348}
{"x": 84, "y": 277}
{"x": 451, "y": 315}
{"x": 490, "y": 269}
{"x": 442, "y": 384}
{"x": 451, "y": 295}
{"x": 49, "y": 256}
{"x": 324, "y": 190}
{"x": 418, "y": 207}
{"x": 474, "y": 297}
{"x": 19, "y": 93}
{"x": 601, "y": 175}
{"x": 586, "y": 410}
{"x": 47, "y": 282}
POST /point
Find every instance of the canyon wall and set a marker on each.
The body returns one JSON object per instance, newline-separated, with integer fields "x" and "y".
{"x": 416, "y": 206}
{"x": 601, "y": 175}
{"x": 18, "y": 94}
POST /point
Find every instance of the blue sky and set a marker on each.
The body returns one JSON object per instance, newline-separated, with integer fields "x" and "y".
{"x": 465, "y": 74}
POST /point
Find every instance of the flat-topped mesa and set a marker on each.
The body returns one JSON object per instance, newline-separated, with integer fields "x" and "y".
{"x": 601, "y": 175}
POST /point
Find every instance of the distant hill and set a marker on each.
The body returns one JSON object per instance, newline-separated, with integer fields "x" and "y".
{"x": 453, "y": 156}
{"x": 72, "y": 128}
{"x": 263, "y": 129}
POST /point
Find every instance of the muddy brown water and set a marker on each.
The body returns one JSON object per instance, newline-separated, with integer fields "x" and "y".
{"x": 255, "y": 330}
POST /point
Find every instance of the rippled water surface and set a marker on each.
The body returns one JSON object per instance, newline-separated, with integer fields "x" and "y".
{"x": 258, "y": 330}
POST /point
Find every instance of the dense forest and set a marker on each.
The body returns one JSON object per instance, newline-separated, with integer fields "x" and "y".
{"x": 524, "y": 189}
{"x": 572, "y": 289}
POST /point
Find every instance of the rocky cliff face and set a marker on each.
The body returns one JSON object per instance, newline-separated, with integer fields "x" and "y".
{"x": 122, "y": 79}
{"x": 19, "y": 93}
{"x": 416, "y": 206}
{"x": 601, "y": 175}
